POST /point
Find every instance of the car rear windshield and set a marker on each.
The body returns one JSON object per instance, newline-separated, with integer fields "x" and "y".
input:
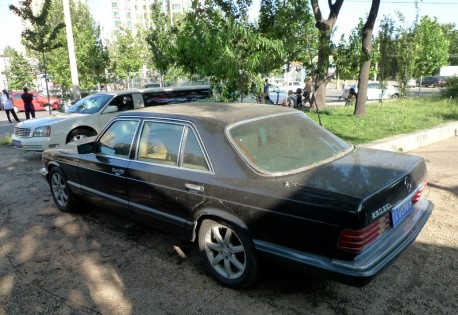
{"x": 284, "y": 144}
{"x": 90, "y": 104}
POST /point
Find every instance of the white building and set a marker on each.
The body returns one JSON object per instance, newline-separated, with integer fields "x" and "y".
{"x": 114, "y": 15}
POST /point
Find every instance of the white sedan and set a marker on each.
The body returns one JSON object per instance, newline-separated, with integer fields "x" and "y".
{"x": 374, "y": 91}
{"x": 86, "y": 118}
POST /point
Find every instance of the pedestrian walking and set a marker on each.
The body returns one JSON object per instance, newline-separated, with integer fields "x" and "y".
{"x": 8, "y": 106}
{"x": 308, "y": 90}
{"x": 28, "y": 103}
{"x": 266, "y": 90}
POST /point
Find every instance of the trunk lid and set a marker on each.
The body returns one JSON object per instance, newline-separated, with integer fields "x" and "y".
{"x": 369, "y": 182}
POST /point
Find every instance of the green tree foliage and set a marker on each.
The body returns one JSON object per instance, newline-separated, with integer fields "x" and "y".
{"x": 451, "y": 89}
{"x": 386, "y": 47}
{"x": 91, "y": 56}
{"x": 432, "y": 47}
{"x": 451, "y": 34}
{"x": 42, "y": 34}
{"x": 292, "y": 23}
{"x": 161, "y": 37}
{"x": 19, "y": 72}
{"x": 217, "y": 41}
{"x": 347, "y": 54}
{"x": 126, "y": 55}
{"x": 398, "y": 52}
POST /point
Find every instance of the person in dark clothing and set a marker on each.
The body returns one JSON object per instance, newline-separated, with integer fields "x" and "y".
{"x": 28, "y": 104}
{"x": 299, "y": 97}
{"x": 266, "y": 90}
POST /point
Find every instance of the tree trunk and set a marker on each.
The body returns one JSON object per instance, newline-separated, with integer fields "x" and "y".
{"x": 363, "y": 78}
{"x": 325, "y": 27}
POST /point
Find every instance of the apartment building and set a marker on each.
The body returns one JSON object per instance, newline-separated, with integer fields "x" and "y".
{"x": 126, "y": 14}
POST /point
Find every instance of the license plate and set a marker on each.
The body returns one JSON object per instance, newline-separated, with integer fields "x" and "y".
{"x": 17, "y": 144}
{"x": 400, "y": 212}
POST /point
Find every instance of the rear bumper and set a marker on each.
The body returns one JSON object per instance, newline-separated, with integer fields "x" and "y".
{"x": 361, "y": 270}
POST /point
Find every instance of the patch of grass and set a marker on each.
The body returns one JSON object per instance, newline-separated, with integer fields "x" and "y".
{"x": 388, "y": 119}
{"x": 6, "y": 140}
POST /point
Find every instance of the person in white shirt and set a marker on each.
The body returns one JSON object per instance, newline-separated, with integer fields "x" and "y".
{"x": 8, "y": 105}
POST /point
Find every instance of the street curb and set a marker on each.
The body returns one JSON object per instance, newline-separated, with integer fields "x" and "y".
{"x": 415, "y": 140}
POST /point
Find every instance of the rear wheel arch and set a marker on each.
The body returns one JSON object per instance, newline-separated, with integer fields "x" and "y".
{"x": 214, "y": 214}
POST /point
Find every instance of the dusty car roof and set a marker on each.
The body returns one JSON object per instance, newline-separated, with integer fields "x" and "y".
{"x": 223, "y": 112}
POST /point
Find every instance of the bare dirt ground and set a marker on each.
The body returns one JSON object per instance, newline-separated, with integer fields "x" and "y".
{"x": 99, "y": 263}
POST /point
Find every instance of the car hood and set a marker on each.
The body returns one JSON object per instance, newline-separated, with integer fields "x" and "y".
{"x": 49, "y": 120}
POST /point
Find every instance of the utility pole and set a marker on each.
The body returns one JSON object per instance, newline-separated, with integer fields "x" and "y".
{"x": 71, "y": 52}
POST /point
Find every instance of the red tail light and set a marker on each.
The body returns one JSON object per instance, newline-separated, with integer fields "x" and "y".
{"x": 417, "y": 195}
{"x": 355, "y": 241}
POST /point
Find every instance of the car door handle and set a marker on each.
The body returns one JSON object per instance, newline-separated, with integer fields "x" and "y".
{"x": 117, "y": 171}
{"x": 194, "y": 187}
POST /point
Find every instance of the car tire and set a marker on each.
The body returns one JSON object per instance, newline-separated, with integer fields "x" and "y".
{"x": 396, "y": 95}
{"x": 61, "y": 193}
{"x": 79, "y": 134}
{"x": 228, "y": 254}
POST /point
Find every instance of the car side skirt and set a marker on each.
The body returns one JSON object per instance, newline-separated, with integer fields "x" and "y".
{"x": 361, "y": 270}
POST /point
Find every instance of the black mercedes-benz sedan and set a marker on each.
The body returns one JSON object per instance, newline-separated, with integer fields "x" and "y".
{"x": 248, "y": 181}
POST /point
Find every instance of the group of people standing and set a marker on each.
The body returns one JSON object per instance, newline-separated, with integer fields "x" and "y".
{"x": 301, "y": 97}
{"x": 7, "y": 102}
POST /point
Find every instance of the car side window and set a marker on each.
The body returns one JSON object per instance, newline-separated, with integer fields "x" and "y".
{"x": 124, "y": 102}
{"x": 193, "y": 156}
{"x": 117, "y": 139}
{"x": 160, "y": 142}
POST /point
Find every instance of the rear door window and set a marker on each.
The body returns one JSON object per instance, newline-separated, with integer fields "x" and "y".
{"x": 160, "y": 142}
{"x": 171, "y": 144}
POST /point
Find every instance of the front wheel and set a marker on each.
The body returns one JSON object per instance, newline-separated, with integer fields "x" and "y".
{"x": 227, "y": 254}
{"x": 79, "y": 134}
{"x": 61, "y": 193}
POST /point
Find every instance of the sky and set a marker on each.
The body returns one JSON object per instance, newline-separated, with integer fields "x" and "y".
{"x": 351, "y": 11}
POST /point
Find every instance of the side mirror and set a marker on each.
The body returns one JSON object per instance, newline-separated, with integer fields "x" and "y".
{"x": 89, "y": 147}
{"x": 111, "y": 109}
